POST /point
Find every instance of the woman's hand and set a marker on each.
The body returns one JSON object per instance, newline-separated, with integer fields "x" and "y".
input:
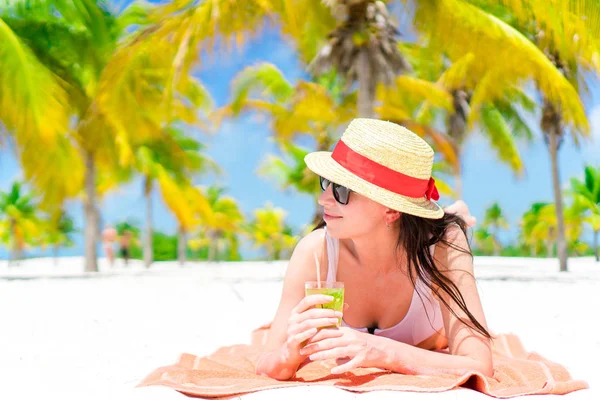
{"x": 461, "y": 209}
{"x": 363, "y": 349}
{"x": 304, "y": 322}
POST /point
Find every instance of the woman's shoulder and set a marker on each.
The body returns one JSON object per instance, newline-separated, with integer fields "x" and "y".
{"x": 302, "y": 265}
{"x": 311, "y": 243}
{"x": 453, "y": 251}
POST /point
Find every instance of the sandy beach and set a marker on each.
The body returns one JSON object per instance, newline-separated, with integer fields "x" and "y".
{"x": 71, "y": 335}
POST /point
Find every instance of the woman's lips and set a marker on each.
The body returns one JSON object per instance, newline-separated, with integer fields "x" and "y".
{"x": 330, "y": 217}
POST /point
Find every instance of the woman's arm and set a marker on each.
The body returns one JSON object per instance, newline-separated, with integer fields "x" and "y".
{"x": 296, "y": 319}
{"x": 467, "y": 347}
{"x": 469, "y": 350}
{"x": 411, "y": 360}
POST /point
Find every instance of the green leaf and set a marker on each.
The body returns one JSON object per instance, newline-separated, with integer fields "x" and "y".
{"x": 266, "y": 78}
{"x": 503, "y": 142}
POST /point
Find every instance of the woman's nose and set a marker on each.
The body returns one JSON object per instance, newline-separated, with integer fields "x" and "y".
{"x": 326, "y": 197}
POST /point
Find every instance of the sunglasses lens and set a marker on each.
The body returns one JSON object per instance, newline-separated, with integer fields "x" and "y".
{"x": 341, "y": 194}
{"x": 324, "y": 183}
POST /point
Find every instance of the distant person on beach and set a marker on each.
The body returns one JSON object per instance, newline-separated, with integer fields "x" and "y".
{"x": 400, "y": 264}
{"x": 125, "y": 245}
{"x": 109, "y": 236}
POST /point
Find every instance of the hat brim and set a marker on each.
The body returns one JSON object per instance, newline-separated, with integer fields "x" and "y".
{"x": 321, "y": 163}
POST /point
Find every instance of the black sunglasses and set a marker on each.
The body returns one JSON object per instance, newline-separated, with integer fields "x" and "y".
{"x": 341, "y": 194}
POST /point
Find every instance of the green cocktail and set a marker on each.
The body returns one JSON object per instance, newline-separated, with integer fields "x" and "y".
{"x": 333, "y": 289}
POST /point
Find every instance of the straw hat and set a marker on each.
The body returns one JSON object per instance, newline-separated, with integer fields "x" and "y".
{"x": 386, "y": 163}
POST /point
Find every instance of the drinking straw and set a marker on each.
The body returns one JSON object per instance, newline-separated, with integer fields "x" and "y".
{"x": 318, "y": 271}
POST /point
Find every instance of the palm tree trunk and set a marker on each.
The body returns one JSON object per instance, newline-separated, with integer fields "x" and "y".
{"x": 596, "y": 245}
{"x": 91, "y": 214}
{"x": 148, "y": 235}
{"x": 18, "y": 254}
{"x": 212, "y": 246}
{"x": 181, "y": 245}
{"x": 549, "y": 252}
{"x": 366, "y": 87}
{"x": 561, "y": 243}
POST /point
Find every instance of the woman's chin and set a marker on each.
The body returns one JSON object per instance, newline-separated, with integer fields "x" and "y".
{"x": 334, "y": 231}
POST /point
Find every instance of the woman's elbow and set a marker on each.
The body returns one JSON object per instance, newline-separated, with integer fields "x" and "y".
{"x": 265, "y": 367}
{"x": 486, "y": 368}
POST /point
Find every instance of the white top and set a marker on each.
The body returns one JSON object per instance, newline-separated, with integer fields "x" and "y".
{"x": 423, "y": 319}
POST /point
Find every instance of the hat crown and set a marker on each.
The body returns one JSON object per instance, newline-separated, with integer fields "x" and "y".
{"x": 390, "y": 145}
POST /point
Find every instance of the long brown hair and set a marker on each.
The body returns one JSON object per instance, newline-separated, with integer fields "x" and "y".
{"x": 416, "y": 237}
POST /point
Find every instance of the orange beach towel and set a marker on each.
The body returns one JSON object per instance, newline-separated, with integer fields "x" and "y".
{"x": 230, "y": 371}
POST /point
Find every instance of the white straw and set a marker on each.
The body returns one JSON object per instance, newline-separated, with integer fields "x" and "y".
{"x": 318, "y": 271}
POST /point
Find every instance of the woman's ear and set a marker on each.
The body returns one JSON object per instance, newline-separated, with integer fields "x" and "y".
{"x": 391, "y": 216}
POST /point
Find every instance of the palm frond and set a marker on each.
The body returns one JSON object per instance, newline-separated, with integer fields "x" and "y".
{"x": 457, "y": 28}
{"x": 423, "y": 90}
{"x": 265, "y": 78}
{"x": 570, "y": 28}
{"x": 502, "y": 141}
{"x": 33, "y": 102}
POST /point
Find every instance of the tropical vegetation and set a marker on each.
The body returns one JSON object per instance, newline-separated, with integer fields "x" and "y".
{"x": 93, "y": 98}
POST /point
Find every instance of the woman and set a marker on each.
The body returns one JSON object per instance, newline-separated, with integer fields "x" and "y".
{"x": 405, "y": 265}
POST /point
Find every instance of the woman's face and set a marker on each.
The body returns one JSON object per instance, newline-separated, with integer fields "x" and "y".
{"x": 359, "y": 217}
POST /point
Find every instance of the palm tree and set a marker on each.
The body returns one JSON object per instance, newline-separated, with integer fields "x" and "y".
{"x": 59, "y": 233}
{"x": 219, "y": 224}
{"x": 536, "y": 232}
{"x": 458, "y": 30}
{"x": 565, "y": 32}
{"x": 494, "y": 220}
{"x": 362, "y": 48}
{"x": 484, "y": 240}
{"x": 317, "y": 110}
{"x": 188, "y": 204}
{"x": 19, "y": 222}
{"x": 314, "y": 109}
{"x": 588, "y": 192}
{"x": 115, "y": 95}
{"x": 594, "y": 222}
{"x": 71, "y": 40}
{"x": 169, "y": 160}
{"x": 362, "y": 43}
{"x": 33, "y": 104}
{"x": 191, "y": 25}
{"x": 539, "y": 224}
{"x": 268, "y": 230}
{"x": 415, "y": 103}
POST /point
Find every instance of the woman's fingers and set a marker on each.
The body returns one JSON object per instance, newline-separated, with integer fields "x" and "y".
{"x": 338, "y": 352}
{"x": 315, "y": 346}
{"x": 311, "y": 301}
{"x": 349, "y": 366}
{"x": 315, "y": 313}
{"x": 327, "y": 333}
{"x": 311, "y": 323}
{"x": 297, "y": 339}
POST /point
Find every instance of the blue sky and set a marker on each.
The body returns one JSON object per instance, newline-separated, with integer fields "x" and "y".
{"x": 240, "y": 145}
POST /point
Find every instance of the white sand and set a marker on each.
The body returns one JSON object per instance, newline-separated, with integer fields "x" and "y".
{"x": 70, "y": 335}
